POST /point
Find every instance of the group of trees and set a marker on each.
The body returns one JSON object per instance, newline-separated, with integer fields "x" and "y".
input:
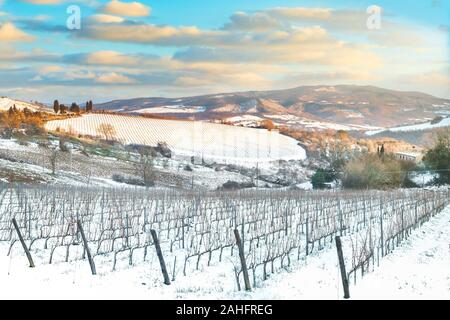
{"x": 381, "y": 170}
{"x": 365, "y": 171}
{"x": 438, "y": 157}
{"x": 89, "y": 106}
{"x": 376, "y": 171}
{"x": 74, "y": 108}
{"x": 15, "y": 119}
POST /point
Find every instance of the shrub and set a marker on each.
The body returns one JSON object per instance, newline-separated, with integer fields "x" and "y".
{"x": 22, "y": 140}
{"x": 438, "y": 158}
{"x": 374, "y": 172}
{"x": 321, "y": 178}
{"x": 437, "y": 119}
{"x": 62, "y": 145}
{"x": 129, "y": 180}
{"x": 233, "y": 185}
{"x": 267, "y": 124}
{"x": 163, "y": 149}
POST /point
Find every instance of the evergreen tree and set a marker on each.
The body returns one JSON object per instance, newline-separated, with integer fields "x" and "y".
{"x": 62, "y": 109}
{"x": 56, "y": 106}
{"x": 26, "y": 112}
{"x": 74, "y": 108}
{"x": 438, "y": 158}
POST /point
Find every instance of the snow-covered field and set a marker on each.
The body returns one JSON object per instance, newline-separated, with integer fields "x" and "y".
{"x": 172, "y": 109}
{"x": 201, "y": 139}
{"x": 314, "y": 124}
{"x": 416, "y": 127}
{"x": 246, "y": 120}
{"x": 418, "y": 268}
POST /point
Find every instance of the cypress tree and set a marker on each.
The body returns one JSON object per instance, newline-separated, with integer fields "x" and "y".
{"x": 56, "y": 106}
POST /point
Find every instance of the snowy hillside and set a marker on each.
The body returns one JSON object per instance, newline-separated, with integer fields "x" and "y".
{"x": 6, "y": 103}
{"x": 344, "y": 105}
{"x": 417, "y": 127}
{"x": 171, "y": 109}
{"x": 202, "y": 139}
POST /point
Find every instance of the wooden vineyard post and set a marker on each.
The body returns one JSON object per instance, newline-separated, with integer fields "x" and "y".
{"x": 381, "y": 230}
{"x": 182, "y": 232}
{"x": 242, "y": 258}
{"x": 160, "y": 257}
{"x": 25, "y": 248}
{"x": 86, "y": 248}
{"x": 307, "y": 235}
{"x": 342, "y": 267}
{"x": 341, "y": 220}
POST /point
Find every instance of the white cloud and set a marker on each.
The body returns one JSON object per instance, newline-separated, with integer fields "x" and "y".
{"x": 128, "y": 9}
{"x": 9, "y": 32}
{"x": 301, "y": 13}
{"x": 44, "y": 1}
{"x": 105, "y": 18}
{"x": 49, "y": 69}
{"x": 113, "y": 78}
{"x": 110, "y": 58}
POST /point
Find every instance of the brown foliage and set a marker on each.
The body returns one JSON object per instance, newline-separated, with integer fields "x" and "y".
{"x": 267, "y": 124}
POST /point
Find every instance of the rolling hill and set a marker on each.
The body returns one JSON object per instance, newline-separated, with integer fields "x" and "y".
{"x": 6, "y": 103}
{"x": 358, "y": 107}
{"x": 189, "y": 138}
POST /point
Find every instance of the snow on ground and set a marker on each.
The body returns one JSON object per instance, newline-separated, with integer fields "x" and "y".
{"x": 201, "y": 139}
{"x": 423, "y": 178}
{"x": 245, "y": 117}
{"x": 171, "y": 109}
{"x": 416, "y": 127}
{"x": 418, "y": 269}
{"x": 305, "y": 185}
{"x": 308, "y": 123}
{"x": 13, "y": 144}
{"x": 245, "y": 120}
{"x": 6, "y": 103}
{"x": 32, "y": 161}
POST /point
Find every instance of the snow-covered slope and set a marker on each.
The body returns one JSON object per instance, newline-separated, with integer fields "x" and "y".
{"x": 201, "y": 139}
{"x": 417, "y": 127}
{"x": 418, "y": 269}
{"x": 171, "y": 109}
{"x": 6, "y": 103}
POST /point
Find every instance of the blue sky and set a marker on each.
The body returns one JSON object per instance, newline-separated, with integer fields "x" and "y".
{"x": 179, "y": 48}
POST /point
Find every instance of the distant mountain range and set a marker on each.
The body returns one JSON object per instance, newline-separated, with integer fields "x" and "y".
{"x": 340, "y": 106}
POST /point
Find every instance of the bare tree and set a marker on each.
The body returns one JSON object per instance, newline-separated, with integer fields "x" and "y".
{"x": 53, "y": 159}
{"x": 107, "y": 130}
{"x": 145, "y": 166}
{"x": 62, "y": 144}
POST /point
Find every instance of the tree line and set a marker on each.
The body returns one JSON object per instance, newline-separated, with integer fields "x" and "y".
{"x": 74, "y": 107}
{"x": 382, "y": 170}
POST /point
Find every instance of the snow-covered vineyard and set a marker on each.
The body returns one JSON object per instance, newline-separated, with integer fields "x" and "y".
{"x": 201, "y": 139}
{"x": 279, "y": 230}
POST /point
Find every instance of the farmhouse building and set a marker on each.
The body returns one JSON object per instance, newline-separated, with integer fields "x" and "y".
{"x": 409, "y": 156}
